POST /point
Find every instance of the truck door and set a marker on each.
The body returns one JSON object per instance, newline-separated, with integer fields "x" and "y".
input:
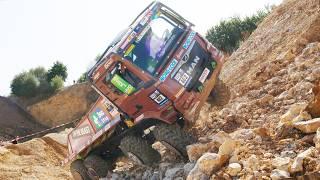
{"x": 139, "y": 90}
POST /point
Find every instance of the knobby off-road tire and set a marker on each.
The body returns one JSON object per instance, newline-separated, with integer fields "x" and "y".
{"x": 174, "y": 138}
{"x": 138, "y": 150}
{"x": 96, "y": 166}
{"x": 78, "y": 170}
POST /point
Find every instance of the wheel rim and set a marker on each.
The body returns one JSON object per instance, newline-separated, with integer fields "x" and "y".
{"x": 134, "y": 158}
{"x": 77, "y": 176}
{"x": 171, "y": 148}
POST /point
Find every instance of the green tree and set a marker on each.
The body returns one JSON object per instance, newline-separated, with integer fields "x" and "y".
{"x": 228, "y": 34}
{"x": 35, "y": 82}
{"x": 39, "y": 72}
{"x": 56, "y": 83}
{"x": 25, "y": 84}
{"x": 58, "y": 69}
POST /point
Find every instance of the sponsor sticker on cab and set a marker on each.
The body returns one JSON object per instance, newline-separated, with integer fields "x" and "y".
{"x": 184, "y": 79}
{"x": 158, "y": 97}
{"x": 146, "y": 18}
{"x": 189, "y": 40}
{"x": 128, "y": 40}
{"x": 99, "y": 118}
{"x": 204, "y": 75}
{"x": 171, "y": 66}
{"x": 122, "y": 84}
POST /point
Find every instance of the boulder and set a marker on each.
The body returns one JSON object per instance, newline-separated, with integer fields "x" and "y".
{"x": 316, "y": 139}
{"x": 297, "y": 165}
{"x": 293, "y": 112}
{"x": 233, "y": 169}
{"x": 309, "y": 126}
{"x": 303, "y": 116}
{"x": 314, "y": 106}
{"x": 281, "y": 163}
{"x": 279, "y": 174}
{"x": 195, "y": 173}
{"x": 174, "y": 173}
{"x": 227, "y": 148}
{"x": 187, "y": 168}
{"x": 209, "y": 163}
{"x": 195, "y": 151}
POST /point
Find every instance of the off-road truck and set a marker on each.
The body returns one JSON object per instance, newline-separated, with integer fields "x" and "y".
{"x": 153, "y": 80}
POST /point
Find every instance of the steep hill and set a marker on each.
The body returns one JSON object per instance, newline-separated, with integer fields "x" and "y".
{"x": 67, "y": 105}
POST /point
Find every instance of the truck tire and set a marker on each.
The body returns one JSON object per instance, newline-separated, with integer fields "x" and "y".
{"x": 138, "y": 150}
{"x": 97, "y": 167}
{"x": 78, "y": 170}
{"x": 174, "y": 138}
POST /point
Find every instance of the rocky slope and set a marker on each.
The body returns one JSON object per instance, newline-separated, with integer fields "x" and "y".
{"x": 267, "y": 128}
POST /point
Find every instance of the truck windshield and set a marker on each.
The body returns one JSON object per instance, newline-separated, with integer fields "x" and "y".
{"x": 151, "y": 46}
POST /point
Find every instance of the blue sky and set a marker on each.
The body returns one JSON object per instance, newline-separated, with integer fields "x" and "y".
{"x": 39, "y": 32}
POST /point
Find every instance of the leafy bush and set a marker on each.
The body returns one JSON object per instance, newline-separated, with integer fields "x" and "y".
{"x": 82, "y": 78}
{"x": 58, "y": 69}
{"x": 38, "y": 81}
{"x": 56, "y": 83}
{"x": 228, "y": 34}
{"x": 25, "y": 84}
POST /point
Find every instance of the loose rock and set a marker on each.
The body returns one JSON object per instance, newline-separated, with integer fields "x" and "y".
{"x": 210, "y": 162}
{"x": 297, "y": 165}
{"x": 281, "y": 163}
{"x": 233, "y": 169}
{"x": 316, "y": 139}
{"x": 277, "y": 174}
{"x": 310, "y": 126}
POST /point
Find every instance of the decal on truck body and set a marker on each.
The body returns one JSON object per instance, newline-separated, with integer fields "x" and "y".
{"x": 81, "y": 131}
{"x": 171, "y": 66}
{"x": 128, "y": 40}
{"x": 189, "y": 40}
{"x": 122, "y": 84}
{"x": 204, "y": 75}
{"x": 99, "y": 118}
{"x": 158, "y": 97}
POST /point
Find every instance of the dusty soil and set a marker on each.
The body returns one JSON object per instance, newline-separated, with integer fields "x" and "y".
{"x": 39, "y": 158}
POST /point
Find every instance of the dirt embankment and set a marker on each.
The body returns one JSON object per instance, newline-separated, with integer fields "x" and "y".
{"x": 14, "y": 121}
{"x": 65, "y": 106}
